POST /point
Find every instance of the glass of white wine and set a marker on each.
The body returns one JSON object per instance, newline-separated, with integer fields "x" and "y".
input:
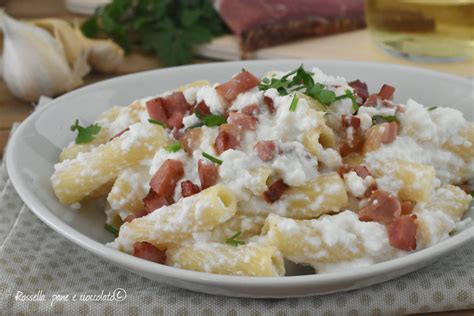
{"x": 423, "y": 30}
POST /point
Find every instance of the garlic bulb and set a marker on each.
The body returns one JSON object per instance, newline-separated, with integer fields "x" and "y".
{"x": 34, "y": 63}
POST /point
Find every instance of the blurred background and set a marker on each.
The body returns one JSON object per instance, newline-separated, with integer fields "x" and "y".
{"x": 49, "y": 47}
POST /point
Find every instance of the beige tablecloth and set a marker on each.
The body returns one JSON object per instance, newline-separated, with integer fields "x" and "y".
{"x": 69, "y": 280}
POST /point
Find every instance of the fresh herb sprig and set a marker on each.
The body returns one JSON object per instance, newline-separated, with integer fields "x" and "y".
{"x": 378, "y": 119}
{"x": 432, "y": 108}
{"x": 156, "y": 122}
{"x": 234, "y": 242}
{"x": 211, "y": 120}
{"x": 212, "y": 158}
{"x": 175, "y": 147}
{"x": 302, "y": 81}
{"x": 111, "y": 229}
{"x": 85, "y": 134}
{"x": 170, "y": 29}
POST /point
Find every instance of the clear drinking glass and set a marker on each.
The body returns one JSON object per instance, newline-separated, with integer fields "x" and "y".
{"x": 423, "y": 30}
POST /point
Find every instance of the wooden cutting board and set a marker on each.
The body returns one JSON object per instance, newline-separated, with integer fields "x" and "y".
{"x": 356, "y": 45}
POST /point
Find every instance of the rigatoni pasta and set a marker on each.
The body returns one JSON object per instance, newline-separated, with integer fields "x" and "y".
{"x": 235, "y": 178}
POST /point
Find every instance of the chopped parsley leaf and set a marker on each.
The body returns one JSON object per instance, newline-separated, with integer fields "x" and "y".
{"x": 85, "y": 134}
{"x": 111, "y": 229}
{"x": 294, "y": 103}
{"x": 152, "y": 121}
{"x": 234, "y": 242}
{"x": 174, "y": 147}
{"x": 349, "y": 95}
{"x": 211, "y": 120}
{"x": 212, "y": 158}
{"x": 377, "y": 119}
{"x": 432, "y": 108}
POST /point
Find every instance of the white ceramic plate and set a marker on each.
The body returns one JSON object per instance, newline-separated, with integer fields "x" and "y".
{"x": 36, "y": 145}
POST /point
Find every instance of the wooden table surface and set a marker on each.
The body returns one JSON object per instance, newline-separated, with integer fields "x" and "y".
{"x": 14, "y": 110}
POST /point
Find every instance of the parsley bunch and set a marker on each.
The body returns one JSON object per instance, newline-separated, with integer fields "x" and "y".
{"x": 303, "y": 82}
{"x": 168, "y": 28}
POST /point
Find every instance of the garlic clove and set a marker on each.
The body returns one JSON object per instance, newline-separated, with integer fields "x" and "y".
{"x": 104, "y": 55}
{"x": 64, "y": 33}
{"x": 34, "y": 63}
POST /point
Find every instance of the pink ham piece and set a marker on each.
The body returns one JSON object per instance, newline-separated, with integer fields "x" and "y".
{"x": 147, "y": 251}
{"x": 379, "y": 134}
{"x": 386, "y": 92}
{"x": 131, "y": 217}
{"x": 265, "y": 149}
{"x": 407, "y": 207}
{"x": 361, "y": 171}
{"x": 202, "y": 108}
{"x": 156, "y": 111}
{"x": 402, "y": 233}
{"x": 245, "y": 121}
{"x": 153, "y": 201}
{"x": 191, "y": 140}
{"x": 228, "y": 138}
{"x": 381, "y": 207}
{"x": 275, "y": 191}
{"x": 169, "y": 109}
{"x": 352, "y": 138}
{"x": 166, "y": 177}
{"x": 262, "y": 23}
{"x": 251, "y": 109}
{"x": 269, "y": 104}
{"x": 208, "y": 173}
{"x": 361, "y": 90}
{"x": 240, "y": 83}
{"x": 188, "y": 188}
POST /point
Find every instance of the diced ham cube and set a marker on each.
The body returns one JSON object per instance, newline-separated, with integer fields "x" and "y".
{"x": 153, "y": 201}
{"x": 386, "y": 92}
{"x": 156, "y": 111}
{"x": 120, "y": 133}
{"x": 147, "y": 251}
{"x": 208, "y": 174}
{"x": 228, "y": 138}
{"x": 275, "y": 191}
{"x": 379, "y": 134}
{"x": 352, "y": 137}
{"x": 381, "y": 207}
{"x": 188, "y": 188}
{"x": 202, "y": 108}
{"x": 240, "y": 83}
{"x": 165, "y": 178}
{"x": 251, "y": 109}
{"x": 175, "y": 102}
{"x": 175, "y": 120}
{"x": 361, "y": 171}
{"x": 269, "y": 104}
{"x": 191, "y": 140}
{"x": 372, "y": 100}
{"x": 131, "y": 217}
{"x": 402, "y": 232}
{"x": 407, "y": 207}
{"x": 245, "y": 121}
{"x": 466, "y": 188}
{"x": 265, "y": 149}
{"x": 360, "y": 89}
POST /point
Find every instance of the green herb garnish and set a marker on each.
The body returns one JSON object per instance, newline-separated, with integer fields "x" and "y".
{"x": 85, "y": 134}
{"x": 234, "y": 242}
{"x": 303, "y": 82}
{"x": 152, "y": 121}
{"x": 294, "y": 103}
{"x": 211, "y": 120}
{"x": 111, "y": 229}
{"x": 432, "y": 108}
{"x": 212, "y": 158}
{"x": 168, "y": 29}
{"x": 174, "y": 147}
{"x": 349, "y": 95}
{"x": 377, "y": 119}
{"x": 472, "y": 193}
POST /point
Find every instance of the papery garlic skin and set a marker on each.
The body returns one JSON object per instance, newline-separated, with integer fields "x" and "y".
{"x": 34, "y": 63}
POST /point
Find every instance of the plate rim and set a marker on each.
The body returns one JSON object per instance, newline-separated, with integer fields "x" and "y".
{"x": 139, "y": 265}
